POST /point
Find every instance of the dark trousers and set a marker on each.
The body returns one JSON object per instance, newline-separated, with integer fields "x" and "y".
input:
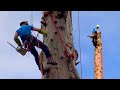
{"x": 35, "y": 42}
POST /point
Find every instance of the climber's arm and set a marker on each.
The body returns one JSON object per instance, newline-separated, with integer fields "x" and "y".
{"x": 36, "y": 29}
{"x": 16, "y": 39}
{"x": 40, "y": 30}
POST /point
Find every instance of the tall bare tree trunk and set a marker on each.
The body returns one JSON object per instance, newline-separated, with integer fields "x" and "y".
{"x": 98, "y": 70}
{"x": 66, "y": 67}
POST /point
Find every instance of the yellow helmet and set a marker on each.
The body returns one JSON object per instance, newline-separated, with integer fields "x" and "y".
{"x": 23, "y": 21}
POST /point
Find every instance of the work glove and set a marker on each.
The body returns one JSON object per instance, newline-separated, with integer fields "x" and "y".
{"x": 42, "y": 32}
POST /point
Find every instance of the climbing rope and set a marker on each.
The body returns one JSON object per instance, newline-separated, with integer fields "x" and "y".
{"x": 79, "y": 47}
{"x": 31, "y": 18}
{"x": 63, "y": 44}
{"x": 36, "y": 36}
{"x": 31, "y": 21}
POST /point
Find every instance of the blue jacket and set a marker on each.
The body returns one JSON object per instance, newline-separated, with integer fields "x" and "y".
{"x": 94, "y": 30}
{"x": 24, "y": 30}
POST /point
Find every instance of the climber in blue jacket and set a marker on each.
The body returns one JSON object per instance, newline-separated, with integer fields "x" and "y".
{"x": 30, "y": 42}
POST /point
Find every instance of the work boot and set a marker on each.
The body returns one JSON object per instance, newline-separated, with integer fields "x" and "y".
{"x": 45, "y": 71}
{"x": 51, "y": 61}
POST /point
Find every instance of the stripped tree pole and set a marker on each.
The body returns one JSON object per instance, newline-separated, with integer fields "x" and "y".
{"x": 97, "y": 42}
{"x": 54, "y": 40}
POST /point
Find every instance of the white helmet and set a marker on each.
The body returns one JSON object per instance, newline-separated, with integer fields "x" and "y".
{"x": 23, "y": 21}
{"x": 98, "y": 26}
